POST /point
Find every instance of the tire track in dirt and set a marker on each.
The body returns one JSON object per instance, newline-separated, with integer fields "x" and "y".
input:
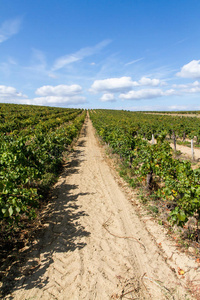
{"x": 84, "y": 252}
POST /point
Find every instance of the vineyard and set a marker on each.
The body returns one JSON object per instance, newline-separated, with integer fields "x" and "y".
{"x": 153, "y": 166}
{"x": 85, "y": 234}
{"x": 32, "y": 140}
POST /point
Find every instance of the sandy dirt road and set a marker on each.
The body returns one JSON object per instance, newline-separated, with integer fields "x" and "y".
{"x": 187, "y": 151}
{"x": 95, "y": 245}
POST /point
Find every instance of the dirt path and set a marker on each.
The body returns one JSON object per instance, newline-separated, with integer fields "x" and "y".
{"x": 95, "y": 246}
{"x": 177, "y": 115}
{"x": 187, "y": 151}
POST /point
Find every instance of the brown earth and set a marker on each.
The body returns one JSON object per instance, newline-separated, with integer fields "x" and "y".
{"x": 187, "y": 151}
{"x": 99, "y": 243}
{"x": 177, "y": 115}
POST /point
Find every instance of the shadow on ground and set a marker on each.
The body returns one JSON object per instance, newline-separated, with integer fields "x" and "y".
{"x": 60, "y": 231}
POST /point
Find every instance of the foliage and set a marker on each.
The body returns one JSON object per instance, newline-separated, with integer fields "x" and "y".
{"x": 28, "y": 159}
{"x": 174, "y": 181}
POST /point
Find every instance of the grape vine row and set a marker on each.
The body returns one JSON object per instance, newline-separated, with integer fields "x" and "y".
{"x": 32, "y": 140}
{"x": 169, "y": 179}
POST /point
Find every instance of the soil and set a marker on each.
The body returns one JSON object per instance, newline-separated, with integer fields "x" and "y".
{"x": 187, "y": 151}
{"x": 177, "y": 115}
{"x": 98, "y": 241}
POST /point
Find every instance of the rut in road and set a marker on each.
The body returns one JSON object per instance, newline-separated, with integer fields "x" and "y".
{"x": 84, "y": 252}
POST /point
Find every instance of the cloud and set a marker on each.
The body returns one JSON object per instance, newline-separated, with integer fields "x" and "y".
{"x": 52, "y": 75}
{"x": 38, "y": 65}
{"x": 186, "y": 86}
{"x": 193, "y": 87}
{"x": 61, "y": 62}
{"x": 178, "y": 107}
{"x": 148, "y": 81}
{"x": 146, "y": 94}
{"x": 50, "y": 95}
{"x": 121, "y": 84}
{"x": 59, "y": 90}
{"x": 193, "y": 90}
{"x": 180, "y": 41}
{"x": 12, "y": 61}
{"x": 161, "y": 108}
{"x": 60, "y": 94}
{"x": 112, "y": 84}
{"x": 38, "y": 58}
{"x": 190, "y": 70}
{"x": 57, "y": 100}
{"x": 108, "y": 98}
{"x": 142, "y": 94}
{"x": 8, "y": 93}
{"x": 170, "y": 92}
{"x": 9, "y": 28}
{"x": 134, "y": 61}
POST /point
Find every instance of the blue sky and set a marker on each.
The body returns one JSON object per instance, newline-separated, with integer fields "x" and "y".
{"x": 116, "y": 54}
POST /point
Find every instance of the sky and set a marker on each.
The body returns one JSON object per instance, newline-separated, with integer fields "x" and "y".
{"x": 114, "y": 54}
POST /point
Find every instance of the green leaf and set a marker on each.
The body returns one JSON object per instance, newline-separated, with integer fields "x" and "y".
{"x": 181, "y": 216}
{"x": 4, "y": 210}
{"x": 198, "y": 191}
{"x": 17, "y": 209}
{"x": 10, "y": 210}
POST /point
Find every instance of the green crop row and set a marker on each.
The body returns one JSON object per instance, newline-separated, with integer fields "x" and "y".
{"x": 29, "y": 164}
{"x": 171, "y": 180}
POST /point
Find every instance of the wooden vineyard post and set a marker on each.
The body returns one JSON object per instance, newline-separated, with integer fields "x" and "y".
{"x": 152, "y": 141}
{"x": 174, "y": 137}
{"x": 192, "y": 148}
{"x": 149, "y": 180}
{"x": 184, "y": 135}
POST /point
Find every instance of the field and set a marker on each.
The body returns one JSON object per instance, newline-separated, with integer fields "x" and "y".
{"x": 100, "y": 236}
{"x": 32, "y": 141}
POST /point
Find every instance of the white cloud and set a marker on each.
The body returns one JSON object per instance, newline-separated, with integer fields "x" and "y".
{"x": 60, "y": 94}
{"x": 9, "y": 28}
{"x": 108, "y": 98}
{"x": 178, "y": 107}
{"x": 193, "y": 87}
{"x": 142, "y": 94}
{"x": 193, "y": 90}
{"x": 149, "y": 82}
{"x": 190, "y": 70}
{"x": 181, "y": 86}
{"x": 79, "y": 55}
{"x": 160, "y": 108}
{"x": 121, "y": 84}
{"x": 50, "y": 95}
{"x": 170, "y": 92}
{"x": 186, "y": 86}
{"x": 134, "y": 61}
{"x": 8, "y": 93}
{"x": 146, "y": 94}
{"x": 59, "y": 90}
{"x": 112, "y": 84}
{"x": 57, "y": 100}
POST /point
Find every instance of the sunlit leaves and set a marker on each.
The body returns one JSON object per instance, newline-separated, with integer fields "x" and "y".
{"x": 128, "y": 133}
{"x": 26, "y": 159}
